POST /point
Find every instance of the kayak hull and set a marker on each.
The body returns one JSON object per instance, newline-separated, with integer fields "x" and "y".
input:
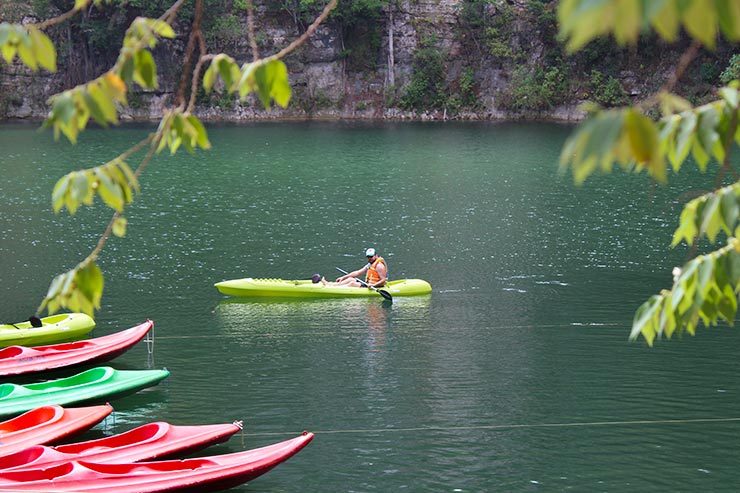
{"x": 18, "y": 360}
{"x": 200, "y": 474}
{"x": 282, "y": 288}
{"x": 146, "y": 442}
{"x": 56, "y": 328}
{"x": 94, "y": 385}
{"x": 47, "y": 424}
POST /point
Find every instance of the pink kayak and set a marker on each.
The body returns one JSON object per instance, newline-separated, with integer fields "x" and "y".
{"x": 47, "y": 424}
{"x": 149, "y": 441}
{"x": 201, "y": 474}
{"x": 17, "y": 360}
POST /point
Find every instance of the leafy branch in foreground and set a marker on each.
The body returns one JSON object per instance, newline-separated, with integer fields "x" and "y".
{"x": 584, "y": 20}
{"x": 72, "y": 109}
{"x": 627, "y": 137}
{"x": 81, "y": 288}
{"x": 706, "y": 288}
{"x": 33, "y": 47}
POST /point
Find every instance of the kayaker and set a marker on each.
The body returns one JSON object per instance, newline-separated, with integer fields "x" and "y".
{"x": 376, "y": 272}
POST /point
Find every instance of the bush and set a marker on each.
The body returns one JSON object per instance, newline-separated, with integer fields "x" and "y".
{"x": 709, "y": 72}
{"x": 468, "y": 93}
{"x": 607, "y": 90}
{"x": 732, "y": 71}
{"x": 535, "y": 90}
{"x": 223, "y": 31}
{"x": 427, "y": 86}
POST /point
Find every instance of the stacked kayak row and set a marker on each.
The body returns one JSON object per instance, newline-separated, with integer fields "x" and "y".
{"x": 199, "y": 474}
{"x": 93, "y": 385}
{"x": 110, "y": 463}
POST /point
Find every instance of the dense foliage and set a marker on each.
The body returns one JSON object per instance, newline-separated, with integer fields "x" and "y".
{"x": 705, "y": 289}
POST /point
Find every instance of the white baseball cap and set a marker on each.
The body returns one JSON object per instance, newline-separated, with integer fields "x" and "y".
{"x": 370, "y": 252}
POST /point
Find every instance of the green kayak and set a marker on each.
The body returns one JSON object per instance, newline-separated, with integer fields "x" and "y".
{"x": 56, "y": 328}
{"x": 96, "y": 384}
{"x": 281, "y": 288}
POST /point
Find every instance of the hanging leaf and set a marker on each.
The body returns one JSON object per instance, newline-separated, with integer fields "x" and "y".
{"x": 119, "y": 226}
{"x": 78, "y": 290}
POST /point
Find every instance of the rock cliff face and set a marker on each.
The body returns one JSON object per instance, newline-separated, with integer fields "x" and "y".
{"x": 497, "y": 59}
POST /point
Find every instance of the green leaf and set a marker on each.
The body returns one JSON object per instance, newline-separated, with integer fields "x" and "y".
{"x": 643, "y": 141}
{"x": 78, "y": 191}
{"x": 729, "y": 18}
{"x": 43, "y": 49}
{"x": 700, "y": 20}
{"x": 666, "y": 20}
{"x": 63, "y": 108}
{"x": 712, "y": 222}
{"x": 272, "y": 83}
{"x": 729, "y": 207}
{"x": 687, "y": 229}
{"x": 685, "y": 136}
{"x": 25, "y": 52}
{"x": 671, "y": 103}
{"x": 104, "y": 102}
{"x": 161, "y": 28}
{"x": 627, "y": 26}
{"x": 89, "y": 282}
{"x": 119, "y": 226}
{"x": 202, "y": 135}
{"x": 5, "y": 32}
{"x": 707, "y": 128}
{"x": 145, "y": 72}
{"x": 94, "y": 109}
{"x": 60, "y": 190}
{"x": 730, "y": 95}
{"x": 108, "y": 190}
{"x": 8, "y": 51}
{"x": 228, "y": 70}
{"x": 209, "y": 78}
{"x": 247, "y": 84}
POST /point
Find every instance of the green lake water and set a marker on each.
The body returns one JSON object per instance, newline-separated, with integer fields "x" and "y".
{"x": 515, "y": 374}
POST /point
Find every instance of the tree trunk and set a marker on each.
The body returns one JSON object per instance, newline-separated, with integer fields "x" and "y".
{"x": 391, "y": 61}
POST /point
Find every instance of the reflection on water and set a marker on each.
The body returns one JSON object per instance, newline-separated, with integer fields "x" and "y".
{"x": 260, "y": 316}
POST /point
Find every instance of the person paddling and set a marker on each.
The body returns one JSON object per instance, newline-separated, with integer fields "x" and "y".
{"x": 376, "y": 272}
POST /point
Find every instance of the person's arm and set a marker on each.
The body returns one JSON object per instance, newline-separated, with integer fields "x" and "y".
{"x": 383, "y": 273}
{"x": 354, "y": 273}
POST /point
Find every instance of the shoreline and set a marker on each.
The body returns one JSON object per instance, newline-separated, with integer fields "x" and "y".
{"x": 336, "y": 117}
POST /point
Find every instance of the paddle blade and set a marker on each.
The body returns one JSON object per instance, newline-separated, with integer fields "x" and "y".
{"x": 385, "y": 294}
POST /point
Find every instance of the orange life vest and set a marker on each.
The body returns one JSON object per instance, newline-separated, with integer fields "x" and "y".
{"x": 372, "y": 276}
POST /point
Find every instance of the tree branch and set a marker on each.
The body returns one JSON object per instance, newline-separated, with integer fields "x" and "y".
{"x": 250, "y": 31}
{"x": 194, "y": 34}
{"x": 304, "y": 37}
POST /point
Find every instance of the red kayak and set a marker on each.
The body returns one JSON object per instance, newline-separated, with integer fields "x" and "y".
{"x": 201, "y": 474}
{"x": 47, "y": 424}
{"x": 149, "y": 441}
{"x": 16, "y": 360}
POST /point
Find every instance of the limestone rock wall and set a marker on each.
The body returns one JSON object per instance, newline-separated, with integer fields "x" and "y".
{"x": 326, "y": 85}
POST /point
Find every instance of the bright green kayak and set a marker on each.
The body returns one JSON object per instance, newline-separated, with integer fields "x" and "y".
{"x": 306, "y": 289}
{"x": 96, "y": 384}
{"x": 56, "y": 328}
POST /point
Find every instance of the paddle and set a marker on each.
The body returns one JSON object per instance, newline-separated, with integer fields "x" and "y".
{"x": 383, "y": 293}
